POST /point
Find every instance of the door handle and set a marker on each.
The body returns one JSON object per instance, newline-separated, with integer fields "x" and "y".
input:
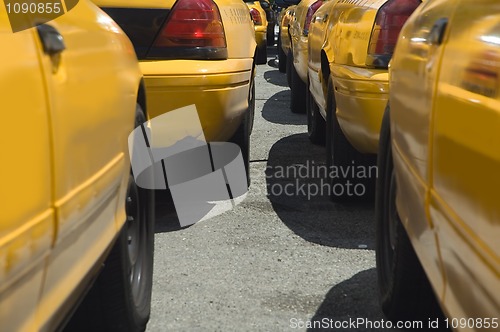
{"x": 52, "y": 40}
{"x": 436, "y": 35}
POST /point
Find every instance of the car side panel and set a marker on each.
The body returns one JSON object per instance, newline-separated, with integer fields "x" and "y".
{"x": 93, "y": 86}
{"x": 413, "y": 78}
{"x": 466, "y": 160}
{"x": 284, "y": 28}
{"x": 320, "y": 25}
{"x": 27, "y": 221}
{"x": 298, "y": 40}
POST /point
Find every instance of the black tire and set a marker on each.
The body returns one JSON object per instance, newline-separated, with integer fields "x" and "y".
{"x": 316, "y": 125}
{"x": 289, "y": 65}
{"x": 341, "y": 156}
{"x": 298, "y": 87}
{"x": 120, "y": 299}
{"x": 404, "y": 290}
{"x": 242, "y": 135}
{"x": 281, "y": 56}
{"x": 270, "y": 34}
{"x": 261, "y": 57}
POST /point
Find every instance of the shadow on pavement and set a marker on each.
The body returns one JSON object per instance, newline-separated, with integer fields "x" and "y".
{"x": 275, "y": 77}
{"x": 277, "y": 110}
{"x": 298, "y": 192}
{"x": 337, "y": 306}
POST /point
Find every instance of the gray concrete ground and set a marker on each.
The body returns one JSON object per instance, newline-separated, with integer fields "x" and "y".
{"x": 277, "y": 262}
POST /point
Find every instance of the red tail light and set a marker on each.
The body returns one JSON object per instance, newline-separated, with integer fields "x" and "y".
{"x": 256, "y": 18}
{"x": 310, "y": 13}
{"x": 390, "y": 19}
{"x": 193, "y": 23}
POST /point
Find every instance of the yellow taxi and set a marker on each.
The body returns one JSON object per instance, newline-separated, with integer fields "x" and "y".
{"x": 70, "y": 208}
{"x": 259, "y": 19}
{"x": 438, "y": 215}
{"x": 298, "y": 56}
{"x": 199, "y": 52}
{"x": 350, "y": 45}
{"x": 284, "y": 45}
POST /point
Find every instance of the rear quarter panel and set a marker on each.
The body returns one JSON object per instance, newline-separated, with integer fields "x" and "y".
{"x": 239, "y": 28}
{"x": 349, "y": 38}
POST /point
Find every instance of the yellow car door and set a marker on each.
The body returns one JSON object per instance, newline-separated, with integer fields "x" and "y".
{"x": 27, "y": 218}
{"x": 466, "y": 160}
{"x": 89, "y": 136}
{"x": 413, "y": 77}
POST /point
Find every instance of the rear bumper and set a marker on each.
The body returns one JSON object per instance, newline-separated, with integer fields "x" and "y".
{"x": 219, "y": 89}
{"x": 361, "y": 95}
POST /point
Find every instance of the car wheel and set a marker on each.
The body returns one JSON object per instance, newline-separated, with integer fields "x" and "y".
{"x": 120, "y": 299}
{"x": 261, "y": 55}
{"x": 242, "y": 135}
{"x": 298, "y": 87}
{"x": 289, "y": 65}
{"x": 270, "y": 35}
{"x": 404, "y": 290}
{"x": 316, "y": 125}
{"x": 281, "y": 56}
{"x": 343, "y": 161}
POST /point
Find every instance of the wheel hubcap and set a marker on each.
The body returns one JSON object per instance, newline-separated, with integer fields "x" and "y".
{"x": 136, "y": 241}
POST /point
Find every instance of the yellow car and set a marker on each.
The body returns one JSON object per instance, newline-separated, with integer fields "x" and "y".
{"x": 298, "y": 56}
{"x": 259, "y": 19}
{"x": 71, "y": 86}
{"x": 199, "y": 52}
{"x": 437, "y": 196}
{"x": 284, "y": 47}
{"x": 350, "y": 45}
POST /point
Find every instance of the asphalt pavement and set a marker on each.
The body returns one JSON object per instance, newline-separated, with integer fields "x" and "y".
{"x": 280, "y": 261}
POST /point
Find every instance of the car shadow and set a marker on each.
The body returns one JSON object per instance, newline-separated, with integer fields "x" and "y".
{"x": 276, "y": 78}
{"x": 166, "y": 216}
{"x": 299, "y": 193}
{"x": 337, "y": 307}
{"x": 277, "y": 110}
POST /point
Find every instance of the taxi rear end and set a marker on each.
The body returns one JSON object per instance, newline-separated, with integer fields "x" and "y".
{"x": 192, "y": 52}
{"x": 259, "y": 19}
{"x": 348, "y": 82}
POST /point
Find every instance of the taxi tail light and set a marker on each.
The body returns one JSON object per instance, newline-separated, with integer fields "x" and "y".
{"x": 194, "y": 29}
{"x": 388, "y": 24}
{"x": 256, "y": 18}
{"x": 310, "y": 13}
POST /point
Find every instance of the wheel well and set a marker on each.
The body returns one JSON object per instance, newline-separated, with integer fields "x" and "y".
{"x": 141, "y": 98}
{"x": 325, "y": 67}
